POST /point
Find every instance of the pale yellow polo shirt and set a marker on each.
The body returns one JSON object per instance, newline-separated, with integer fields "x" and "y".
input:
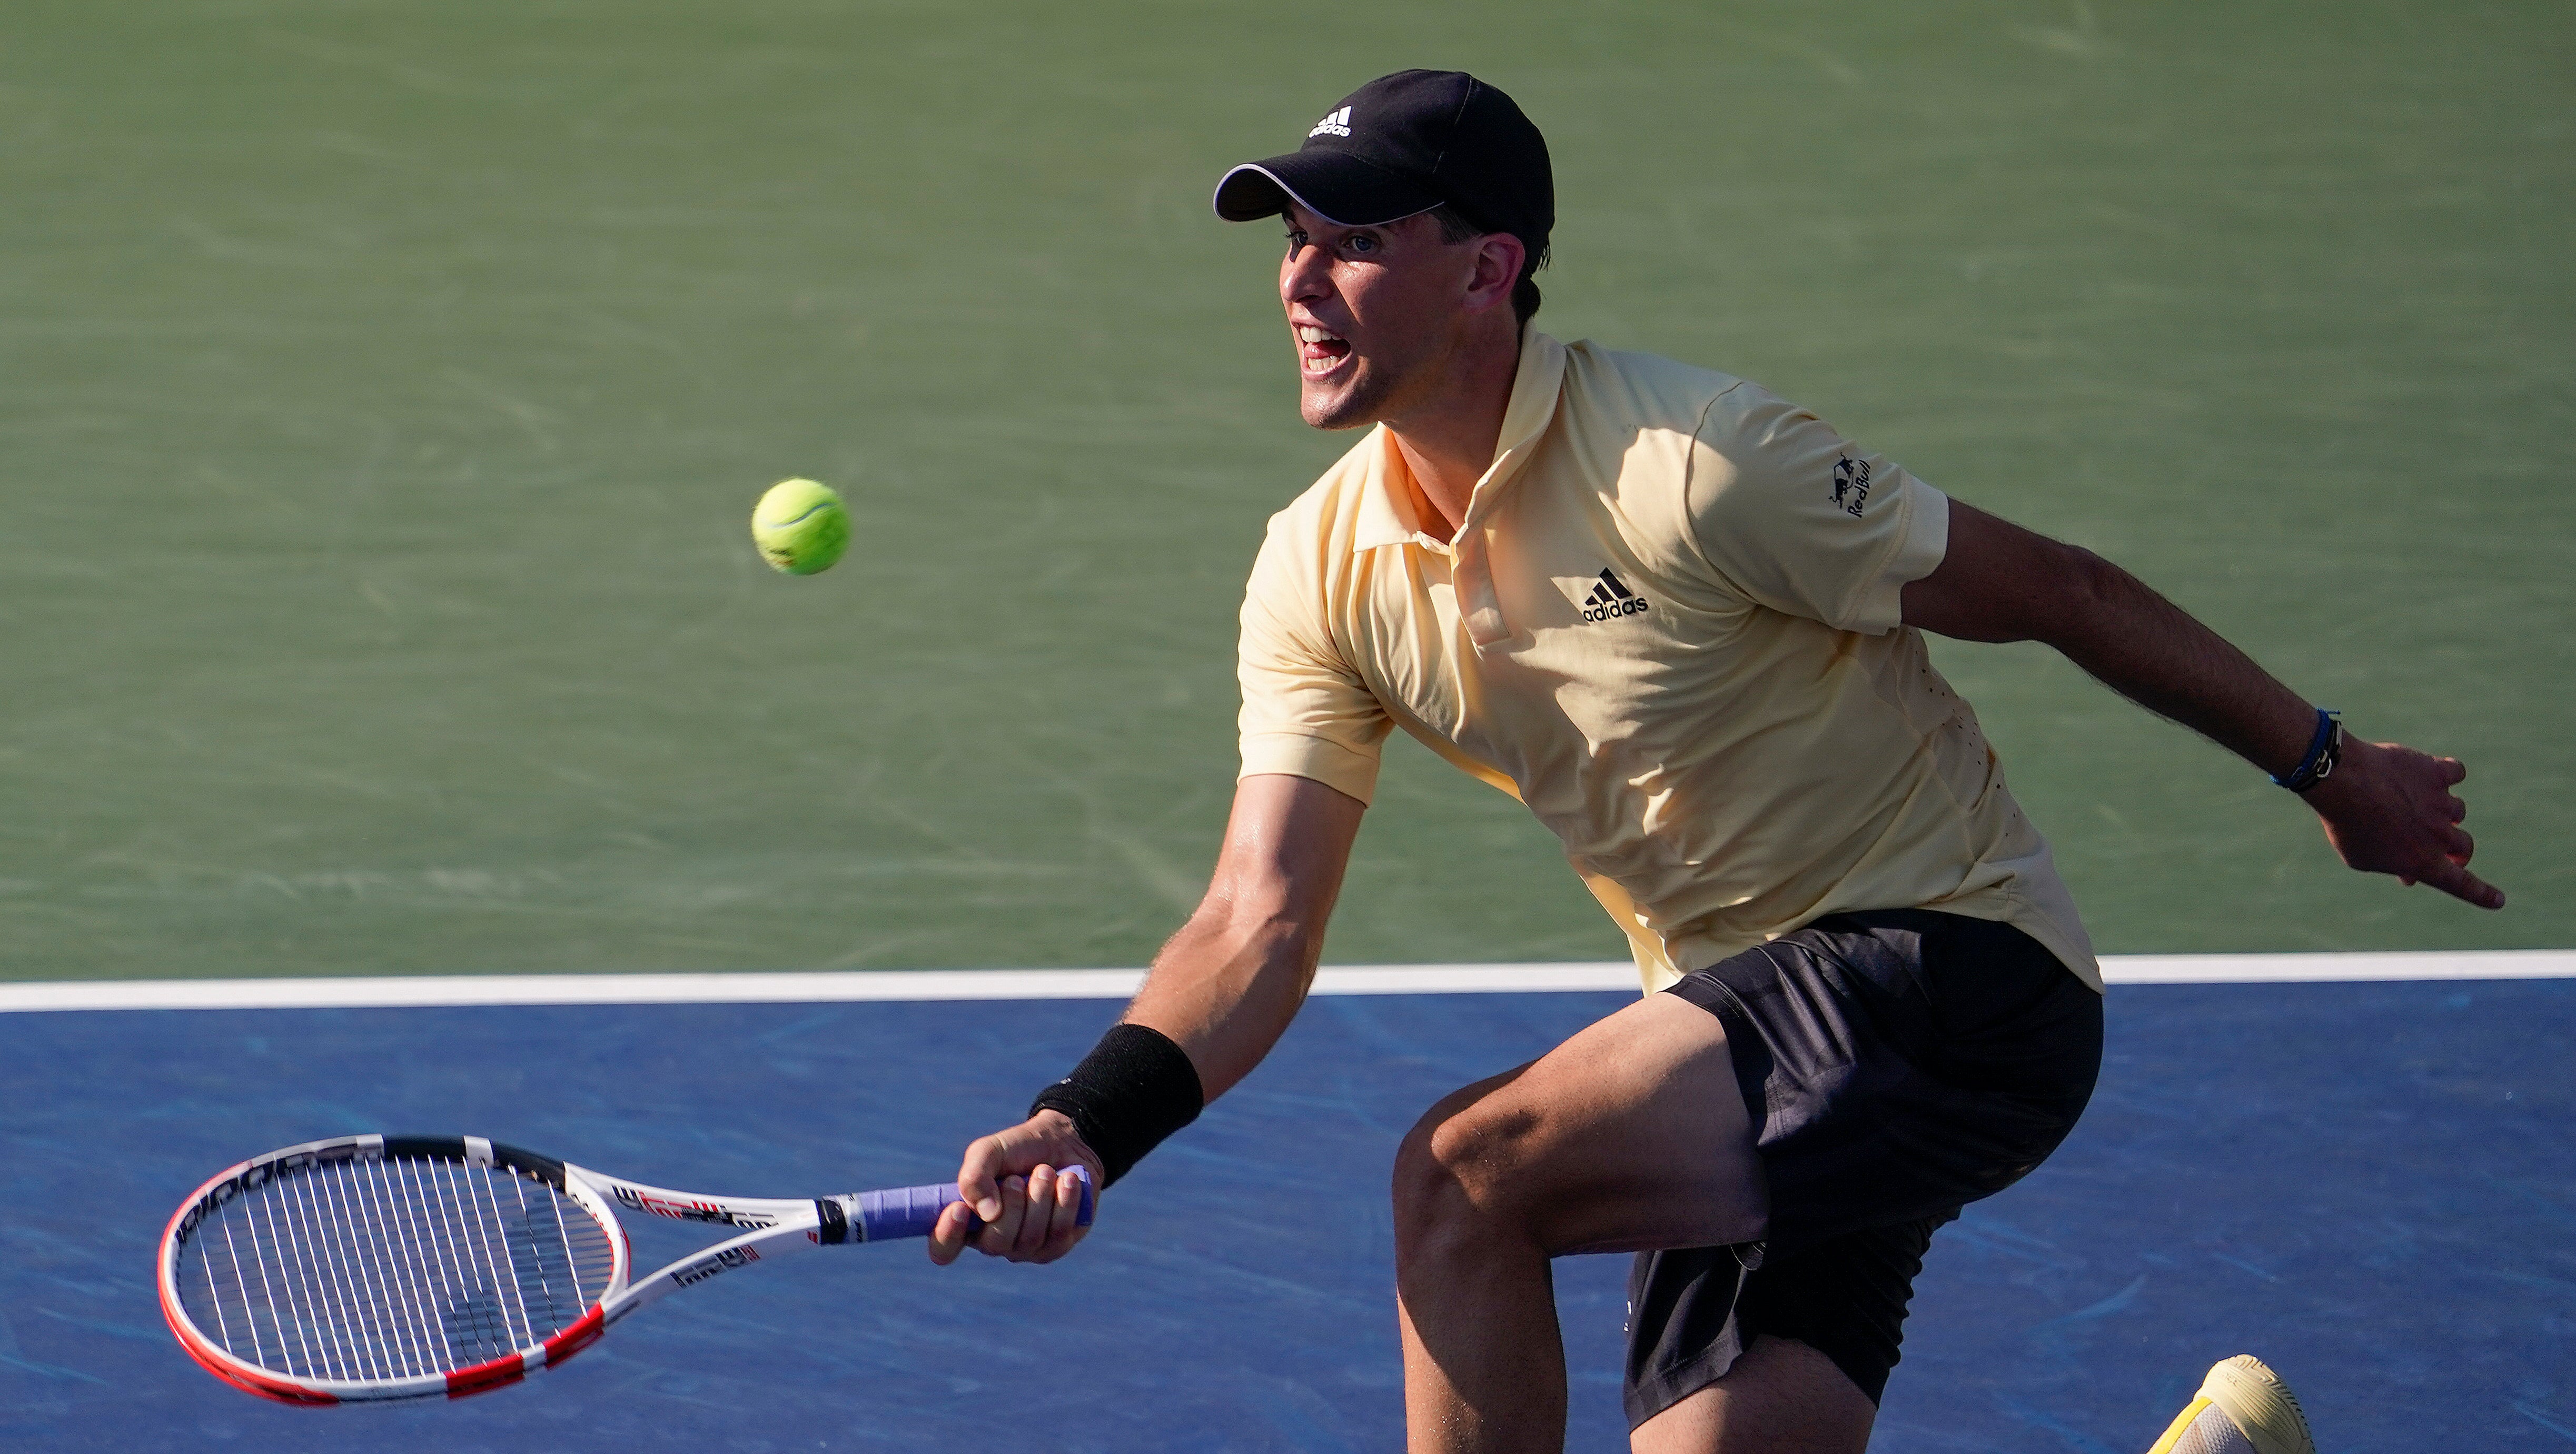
{"x": 1669, "y": 625}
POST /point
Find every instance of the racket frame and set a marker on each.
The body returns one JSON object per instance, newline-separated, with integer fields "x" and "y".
{"x": 769, "y": 1228}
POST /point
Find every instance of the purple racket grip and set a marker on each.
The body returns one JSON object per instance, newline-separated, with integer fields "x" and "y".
{"x": 911, "y": 1211}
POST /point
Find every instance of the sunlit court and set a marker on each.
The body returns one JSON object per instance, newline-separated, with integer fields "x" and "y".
{"x": 690, "y": 592}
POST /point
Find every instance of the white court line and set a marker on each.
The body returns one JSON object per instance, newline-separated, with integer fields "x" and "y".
{"x": 1115, "y": 984}
{"x": 2338, "y": 968}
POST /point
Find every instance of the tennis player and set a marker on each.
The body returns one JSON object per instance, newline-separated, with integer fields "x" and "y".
{"x": 1682, "y": 620}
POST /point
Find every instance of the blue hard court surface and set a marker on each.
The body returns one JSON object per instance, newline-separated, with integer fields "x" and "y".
{"x": 2370, "y": 1185}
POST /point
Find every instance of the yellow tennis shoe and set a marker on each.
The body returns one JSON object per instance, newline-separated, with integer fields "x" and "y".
{"x": 2243, "y": 1408}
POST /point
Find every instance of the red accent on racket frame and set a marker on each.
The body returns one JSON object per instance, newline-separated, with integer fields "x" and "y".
{"x": 274, "y": 1390}
{"x": 577, "y": 1337}
{"x": 485, "y": 1377}
{"x": 277, "y": 1390}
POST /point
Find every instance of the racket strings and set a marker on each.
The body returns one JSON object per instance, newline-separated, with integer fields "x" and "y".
{"x": 381, "y": 1269}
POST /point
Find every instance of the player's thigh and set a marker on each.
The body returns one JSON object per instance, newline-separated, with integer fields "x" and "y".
{"x": 1632, "y": 1135}
{"x": 1781, "y": 1397}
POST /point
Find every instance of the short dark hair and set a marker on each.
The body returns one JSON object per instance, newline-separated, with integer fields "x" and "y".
{"x": 1457, "y": 227}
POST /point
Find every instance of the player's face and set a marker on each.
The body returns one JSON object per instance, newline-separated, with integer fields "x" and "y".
{"x": 1375, "y": 313}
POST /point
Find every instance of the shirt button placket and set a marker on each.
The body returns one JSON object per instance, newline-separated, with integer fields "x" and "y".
{"x": 1477, "y": 603}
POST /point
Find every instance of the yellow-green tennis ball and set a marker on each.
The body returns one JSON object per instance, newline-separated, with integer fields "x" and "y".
{"x": 800, "y": 527}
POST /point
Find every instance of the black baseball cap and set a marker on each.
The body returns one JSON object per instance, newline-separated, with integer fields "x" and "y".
{"x": 1404, "y": 144}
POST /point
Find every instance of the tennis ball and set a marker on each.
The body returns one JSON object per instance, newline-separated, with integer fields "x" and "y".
{"x": 800, "y": 527}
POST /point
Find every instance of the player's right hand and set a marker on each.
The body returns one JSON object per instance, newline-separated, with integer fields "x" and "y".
{"x": 1023, "y": 1208}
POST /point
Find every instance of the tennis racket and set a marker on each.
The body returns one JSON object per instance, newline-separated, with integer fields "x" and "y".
{"x": 378, "y": 1267}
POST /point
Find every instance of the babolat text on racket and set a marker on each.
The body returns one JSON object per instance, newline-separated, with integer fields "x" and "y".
{"x": 375, "y": 1267}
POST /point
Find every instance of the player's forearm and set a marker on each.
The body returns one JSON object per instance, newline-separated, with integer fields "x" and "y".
{"x": 1222, "y": 990}
{"x": 2387, "y": 808}
{"x": 2152, "y": 652}
{"x": 1225, "y": 987}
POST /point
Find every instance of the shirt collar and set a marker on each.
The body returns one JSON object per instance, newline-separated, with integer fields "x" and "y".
{"x": 1386, "y": 513}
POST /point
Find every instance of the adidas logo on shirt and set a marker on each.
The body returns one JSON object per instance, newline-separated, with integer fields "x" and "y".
{"x": 1610, "y": 599}
{"x": 1337, "y": 124}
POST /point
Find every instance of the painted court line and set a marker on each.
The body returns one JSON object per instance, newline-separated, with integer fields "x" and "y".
{"x": 2338, "y": 968}
{"x": 1112, "y": 984}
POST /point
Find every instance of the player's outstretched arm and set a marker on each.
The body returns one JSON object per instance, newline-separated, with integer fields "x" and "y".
{"x": 1222, "y": 990}
{"x": 2387, "y": 808}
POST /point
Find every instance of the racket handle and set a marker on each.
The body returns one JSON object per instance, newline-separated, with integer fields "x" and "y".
{"x": 911, "y": 1211}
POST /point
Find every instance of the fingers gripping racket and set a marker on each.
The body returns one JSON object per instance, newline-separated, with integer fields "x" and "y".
{"x": 377, "y": 1267}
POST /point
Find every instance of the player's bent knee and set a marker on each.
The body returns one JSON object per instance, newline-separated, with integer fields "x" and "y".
{"x": 1463, "y": 1164}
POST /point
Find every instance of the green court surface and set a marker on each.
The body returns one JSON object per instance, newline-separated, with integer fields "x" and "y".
{"x": 388, "y": 385}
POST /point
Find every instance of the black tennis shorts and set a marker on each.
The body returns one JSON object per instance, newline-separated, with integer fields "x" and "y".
{"x": 1899, "y": 1064}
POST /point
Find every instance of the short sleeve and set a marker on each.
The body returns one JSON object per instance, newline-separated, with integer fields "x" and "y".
{"x": 1797, "y": 518}
{"x": 1306, "y": 712}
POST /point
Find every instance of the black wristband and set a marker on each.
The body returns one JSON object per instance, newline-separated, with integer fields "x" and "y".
{"x": 1134, "y": 1088}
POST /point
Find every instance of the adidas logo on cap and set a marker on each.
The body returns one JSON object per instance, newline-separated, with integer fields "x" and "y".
{"x": 1337, "y": 124}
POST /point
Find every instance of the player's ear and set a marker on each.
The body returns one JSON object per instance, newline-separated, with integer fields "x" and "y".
{"x": 1499, "y": 256}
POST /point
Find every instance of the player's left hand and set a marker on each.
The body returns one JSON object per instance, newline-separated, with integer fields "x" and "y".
{"x": 2390, "y": 809}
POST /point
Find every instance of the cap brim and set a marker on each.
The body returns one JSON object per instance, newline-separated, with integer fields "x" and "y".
{"x": 1334, "y": 185}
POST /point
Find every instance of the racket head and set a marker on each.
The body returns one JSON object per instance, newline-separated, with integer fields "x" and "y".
{"x": 377, "y": 1267}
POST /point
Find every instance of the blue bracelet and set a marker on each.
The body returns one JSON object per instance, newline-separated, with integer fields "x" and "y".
{"x": 2325, "y": 750}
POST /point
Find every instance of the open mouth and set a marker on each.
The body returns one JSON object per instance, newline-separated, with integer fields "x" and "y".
{"x": 1320, "y": 351}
